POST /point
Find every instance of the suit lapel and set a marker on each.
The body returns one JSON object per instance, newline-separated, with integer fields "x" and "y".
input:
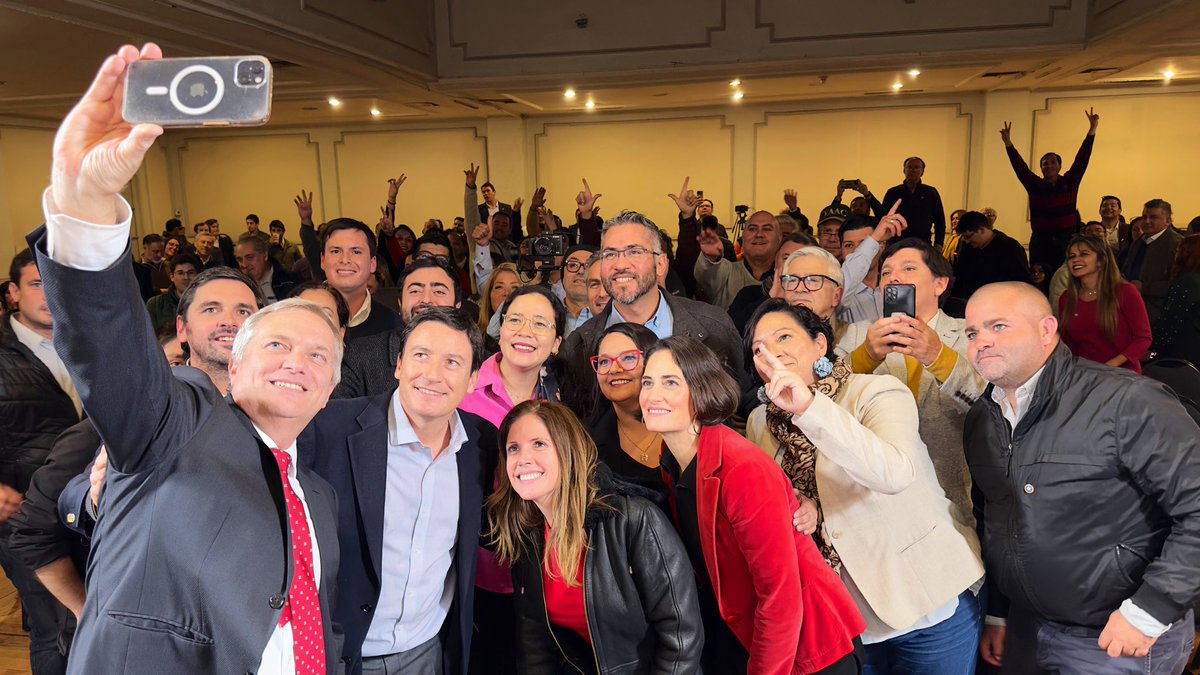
{"x": 368, "y": 451}
{"x": 708, "y": 492}
{"x": 320, "y": 510}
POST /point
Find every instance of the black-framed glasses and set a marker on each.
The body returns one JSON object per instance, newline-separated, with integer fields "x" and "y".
{"x": 426, "y": 255}
{"x": 574, "y": 265}
{"x": 632, "y": 253}
{"x": 627, "y": 361}
{"x": 812, "y": 282}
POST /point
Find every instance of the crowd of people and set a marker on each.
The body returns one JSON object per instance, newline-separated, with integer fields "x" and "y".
{"x": 882, "y": 443}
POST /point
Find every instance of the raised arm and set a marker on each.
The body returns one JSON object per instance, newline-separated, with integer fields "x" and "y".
{"x": 1084, "y": 155}
{"x": 308, "y": 234}
{"x": 1027, "y": 177}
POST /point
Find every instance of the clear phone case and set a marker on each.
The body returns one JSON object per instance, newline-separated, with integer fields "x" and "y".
{"x": 199, "y": 92}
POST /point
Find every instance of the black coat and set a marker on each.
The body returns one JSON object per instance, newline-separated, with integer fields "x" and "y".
{"x": 639, "y": 592}
{"x": 1094, "y": 498}
{"x": 34, "y": 410}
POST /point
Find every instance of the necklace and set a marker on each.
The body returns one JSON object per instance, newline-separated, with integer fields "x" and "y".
{"x": 1089, "y": 293}
{"x": 642, "y": 450}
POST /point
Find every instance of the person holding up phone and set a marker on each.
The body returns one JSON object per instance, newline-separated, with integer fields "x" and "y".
{"x": 926, "y": 349}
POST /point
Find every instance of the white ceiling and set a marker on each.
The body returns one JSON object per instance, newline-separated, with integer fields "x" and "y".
{"x": 442, "y": 59}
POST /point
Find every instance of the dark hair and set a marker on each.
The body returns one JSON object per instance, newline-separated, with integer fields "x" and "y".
{"x": 453, "y": 318}
{"x": 1187, "y": 256}
{"x": 172, "y": 224}
{"x": 185, "y": 259}
{"x": 166, "y": 333}
{"x": 434, "y": 238}
{"x": 339, "y": 224}
{"x": 1112, "y": 197}
{"x": 808, "y": 320}
{"x": 643, "y": 338}
{"x": 213, "y": 221}
{"x": 407, "y": 229}
{"x": 906, "y": 161}
{"x": 801, "y": 238}
{"x": 215, "y": 274}
{"x": 972, "y": 221}
{"x": 152, "y": 239}
{"x": 252, "y": 217}
{"x": 19, "y": 262}
{"x": 1159, "y": 204}
{"x": 715, "y": 394}
{"x": 1055, "y": 155}
{"x": 430, "y": 264}
{"x": 277, "y": 225}
{"x": 254, "y": 240}
{"x": 196, "y": 227}
{"x": 487, "y": 184}
{"x": 343, "y": 310}
{"x": 856, "y": 223}
{"x": 938, "y": 266}
{"x": 560, "y": 310}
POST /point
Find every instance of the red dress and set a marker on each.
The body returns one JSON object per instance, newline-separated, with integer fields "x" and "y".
{"x": 1084, "y": 334}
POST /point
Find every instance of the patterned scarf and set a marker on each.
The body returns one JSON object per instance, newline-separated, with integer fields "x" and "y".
{"x": 798, "y": 456}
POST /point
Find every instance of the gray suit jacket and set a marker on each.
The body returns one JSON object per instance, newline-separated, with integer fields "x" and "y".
{"x": 191, "y": 561}
{"x": 942, "y": 408}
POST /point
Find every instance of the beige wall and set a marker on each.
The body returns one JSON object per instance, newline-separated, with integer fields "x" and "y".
{"x": 1146, "y": 148}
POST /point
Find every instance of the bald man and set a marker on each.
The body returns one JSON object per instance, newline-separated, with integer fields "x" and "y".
{"x": 720, "y": 279}
{"x": 1088, "y": 489}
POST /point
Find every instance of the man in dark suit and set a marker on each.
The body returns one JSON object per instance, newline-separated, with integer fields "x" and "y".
{"x": 409, "y": 471}
{"x": 1150, "y": 259}
{"x": 370, "y": 362}
{"x": 492, "y": 205}
{"x": 220, "y": 551}
{"x": 253, "y": 257}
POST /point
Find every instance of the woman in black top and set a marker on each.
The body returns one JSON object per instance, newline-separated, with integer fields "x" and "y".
{"x": 615, "y": 424}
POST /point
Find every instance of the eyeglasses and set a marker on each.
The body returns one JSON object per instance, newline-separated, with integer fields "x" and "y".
{"x": 812, "y": 282}
{"x": 426, "y": 255}
{"x": 514, "y": 322}
{"x": 632, "y": 254}
{"x": 626, "y": 360}
{"x": 574, "y": 265}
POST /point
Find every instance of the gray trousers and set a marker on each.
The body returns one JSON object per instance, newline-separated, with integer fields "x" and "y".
{"x": 424, "y": 659}
{"x": 1038, "y": 647}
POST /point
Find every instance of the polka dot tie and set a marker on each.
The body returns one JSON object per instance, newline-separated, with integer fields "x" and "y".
{"x": 303, "y": 606}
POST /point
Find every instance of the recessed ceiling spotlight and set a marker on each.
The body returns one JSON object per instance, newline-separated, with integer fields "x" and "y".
{"x": 335, "y": 102}
{"x": 375, "y": 112}
{"x": 1168, "y": 75}
{"x": 735, "y": 82}
{"x": 914, "y": 72}
{"x": 569, "y": 94}
{"x": 897, "y": 86}
{"x": 737, "y": 96}
{"x": 590, "y": 104}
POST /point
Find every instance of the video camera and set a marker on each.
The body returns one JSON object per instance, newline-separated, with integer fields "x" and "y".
{"x": 541, "y": 253}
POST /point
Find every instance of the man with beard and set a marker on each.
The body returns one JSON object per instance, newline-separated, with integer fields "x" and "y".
{"x": 631, "y": 261}
{"x": 423, "y": 284}
{"x": 720, "y": 279}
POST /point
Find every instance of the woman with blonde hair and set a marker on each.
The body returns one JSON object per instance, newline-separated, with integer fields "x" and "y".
{"x": 1101, "y": 316}
{"x": 602, "y": 582}
{"x": 500, "y": 285}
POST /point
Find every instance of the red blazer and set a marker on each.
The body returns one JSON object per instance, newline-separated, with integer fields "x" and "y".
{"x": 773, "y": 588}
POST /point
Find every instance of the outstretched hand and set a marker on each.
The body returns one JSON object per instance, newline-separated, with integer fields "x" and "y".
{"x": 394, "y": 186}
{"x": 96, "y": 152}
{"x": 790, "y": 198}
{"x": 1093, "y": 119}
{"x": 303, "y": 202}
{"x": 784, "y": 387}
{"x": 472, "y": 174}
{"x": 685, "y": 200}
{"x": 1006, "y": 133}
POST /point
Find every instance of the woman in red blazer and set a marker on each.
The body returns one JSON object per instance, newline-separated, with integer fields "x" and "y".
{"x": 770, "y": 604}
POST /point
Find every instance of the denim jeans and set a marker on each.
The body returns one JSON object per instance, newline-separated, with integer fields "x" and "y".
{"x": 1075, "y": 650}
{"x": 946, "y": 648}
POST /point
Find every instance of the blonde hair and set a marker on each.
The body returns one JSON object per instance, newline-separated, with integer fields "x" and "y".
{"x": 485, "y": 297}
{"x": 515, "y": 521}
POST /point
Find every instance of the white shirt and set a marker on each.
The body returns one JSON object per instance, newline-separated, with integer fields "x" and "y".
{"x": 43, "y": 349}
{"x": 265, "y": 287}
{"x": 91, "y": 247}
{"x": 362, "y": 314}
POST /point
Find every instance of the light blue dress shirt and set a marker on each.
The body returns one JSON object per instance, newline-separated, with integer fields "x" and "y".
{"x": 661, "y": 324}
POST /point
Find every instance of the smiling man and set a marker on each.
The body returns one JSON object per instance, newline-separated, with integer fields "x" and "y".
{"x": 198, "y": 486}
{"x": 720, "y": 279}
{"x": 409, "y": 473}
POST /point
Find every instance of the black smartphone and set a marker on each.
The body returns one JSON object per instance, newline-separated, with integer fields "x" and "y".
{"x": 700, "y": 194}
{"x": 199, "y": 92}
{"x": 900, "y": 299}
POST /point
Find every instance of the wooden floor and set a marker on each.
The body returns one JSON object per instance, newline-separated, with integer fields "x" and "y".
{"x": 14, "y": 644}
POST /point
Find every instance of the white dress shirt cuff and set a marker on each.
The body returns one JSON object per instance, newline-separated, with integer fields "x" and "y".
{"x": 1141, "y": 620}
{"x": 995, "y": 621}
{"x": 85, "y": 246}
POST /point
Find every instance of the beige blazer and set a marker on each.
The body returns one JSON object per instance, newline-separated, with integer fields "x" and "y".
{"x": 942, "y": 407}
{"x": 884, "y": 511}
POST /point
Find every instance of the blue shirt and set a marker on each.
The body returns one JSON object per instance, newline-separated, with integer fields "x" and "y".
{"x": 661, "y": 324}
{"x": 420, "y": 531}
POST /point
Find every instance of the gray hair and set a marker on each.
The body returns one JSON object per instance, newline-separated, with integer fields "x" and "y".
{"x": 635, "y": 218}
{"x": 246, "y": 333}
{"x": 835, "y": 268}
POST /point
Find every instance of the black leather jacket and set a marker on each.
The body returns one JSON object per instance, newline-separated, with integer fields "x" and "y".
{"x": 639, "y": 593}
{"x": 1093, "y": 498}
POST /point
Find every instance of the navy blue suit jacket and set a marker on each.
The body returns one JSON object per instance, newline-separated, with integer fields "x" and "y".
{"x": 347, "y": 445}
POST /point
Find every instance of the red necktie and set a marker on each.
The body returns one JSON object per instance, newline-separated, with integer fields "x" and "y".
{"x": 303, "y": 607}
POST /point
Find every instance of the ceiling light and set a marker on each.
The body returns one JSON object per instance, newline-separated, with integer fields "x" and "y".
{"x": 375, "y": 112}
{"x": 897, "y": 86}
{"x": 569, "y": 94}
{"x": 735, "y": 83}
{"x": 590, "y": 104}
{"x": 1168, "y": 74}
{"x": 737, "y": 96}
{"x": 335, "y": 102}
{"x": 914, "y": 72}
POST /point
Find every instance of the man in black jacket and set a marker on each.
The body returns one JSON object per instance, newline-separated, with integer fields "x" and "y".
{"x": 254, "y": 259}
{"x": 37, "y": 402}
{"x": 989, "y": 256}
{"x": 1088, "y": 491}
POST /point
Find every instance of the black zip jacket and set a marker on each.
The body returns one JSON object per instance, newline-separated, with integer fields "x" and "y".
{"x": 1093, "y": 498}
{"x": 639, "y": 593}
